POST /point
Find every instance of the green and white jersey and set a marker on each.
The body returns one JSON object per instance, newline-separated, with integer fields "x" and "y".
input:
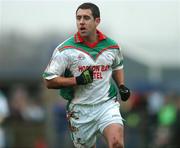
{"x": 75, "y": 55}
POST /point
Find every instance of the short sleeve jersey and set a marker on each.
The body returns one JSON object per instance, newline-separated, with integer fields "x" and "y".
{"x": 75, "y": 55}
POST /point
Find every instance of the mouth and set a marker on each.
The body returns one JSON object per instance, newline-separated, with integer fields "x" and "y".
{"x": 82, "y": 29}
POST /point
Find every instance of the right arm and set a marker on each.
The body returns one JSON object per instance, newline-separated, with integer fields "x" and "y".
{"x": 60, "y": 82}
{"x": 54, "y": 74}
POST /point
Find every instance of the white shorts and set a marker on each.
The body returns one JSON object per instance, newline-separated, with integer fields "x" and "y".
{"x": 86, "y": 121}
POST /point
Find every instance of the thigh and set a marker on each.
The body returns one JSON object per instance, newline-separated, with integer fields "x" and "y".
{"x": 111, "y": 124}
{"x": 114, "y": 133}
{"x": 82, "y": 127}
{"x": 109, "y": 114}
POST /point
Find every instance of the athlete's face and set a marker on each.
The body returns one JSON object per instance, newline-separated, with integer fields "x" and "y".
{"x": 86, "y": 24}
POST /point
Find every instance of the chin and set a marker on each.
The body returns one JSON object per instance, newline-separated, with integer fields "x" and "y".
{"x": 83, "y": 34}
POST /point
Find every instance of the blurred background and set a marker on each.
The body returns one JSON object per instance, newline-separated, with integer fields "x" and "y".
{"x": 148, "y": 32}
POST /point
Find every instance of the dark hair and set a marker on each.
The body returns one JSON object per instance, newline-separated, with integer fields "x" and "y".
{"x": 94, "y": 9}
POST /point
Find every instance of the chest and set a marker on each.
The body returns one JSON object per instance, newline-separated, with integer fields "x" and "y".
{"x": 79, "y": 58}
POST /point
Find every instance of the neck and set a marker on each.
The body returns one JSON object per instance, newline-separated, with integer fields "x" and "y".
{"x": 91, "y": 38}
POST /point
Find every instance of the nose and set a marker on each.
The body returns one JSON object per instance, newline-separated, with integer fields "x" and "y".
{"x": 81, "y": 21}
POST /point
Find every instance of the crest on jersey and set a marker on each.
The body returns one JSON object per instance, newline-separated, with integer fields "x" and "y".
{"x": 81, "y": 56}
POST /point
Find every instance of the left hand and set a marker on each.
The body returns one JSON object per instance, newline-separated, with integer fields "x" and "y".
{"x": 124, "y": 92}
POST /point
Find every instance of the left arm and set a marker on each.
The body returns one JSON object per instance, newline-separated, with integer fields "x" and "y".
{"x": 118, "y": 76}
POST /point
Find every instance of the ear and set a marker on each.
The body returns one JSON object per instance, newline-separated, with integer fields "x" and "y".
{"x": 97, "y": 21}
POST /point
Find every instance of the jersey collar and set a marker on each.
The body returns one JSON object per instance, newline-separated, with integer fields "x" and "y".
{"x": 79, "y": 39}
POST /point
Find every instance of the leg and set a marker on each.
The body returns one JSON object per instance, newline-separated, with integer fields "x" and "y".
{"x": 114, "y": 135}
{"x": 83, "y": 130}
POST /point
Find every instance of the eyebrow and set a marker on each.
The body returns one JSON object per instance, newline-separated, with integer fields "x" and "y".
{"x": 82, "y": 15}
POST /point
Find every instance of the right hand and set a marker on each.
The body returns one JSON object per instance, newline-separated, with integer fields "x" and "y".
{"x": 85, "y": 77}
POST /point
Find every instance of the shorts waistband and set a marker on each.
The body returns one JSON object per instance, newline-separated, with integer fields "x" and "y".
{"x": 94, "y": 105}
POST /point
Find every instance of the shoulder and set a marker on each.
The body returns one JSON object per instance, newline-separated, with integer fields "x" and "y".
{"x": 110, "y": 43}
{"x": 67, "y": 44}
{"x": 61, "y": 48}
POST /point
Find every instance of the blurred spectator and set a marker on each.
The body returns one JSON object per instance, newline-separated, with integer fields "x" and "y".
{"x": 33, "y": 112}
{"x": 61, "y": 126}
{"x": 166, "y": 118}
{"x": 26, "y": 123}
{"x": 23, "y": 107}
{"x": 136, "y": 121}
{"x": 18, "y": 102}
{"x": 176, "y": 127}
{"x": 155, "y": 101}
{"x": 4, "y": 112}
